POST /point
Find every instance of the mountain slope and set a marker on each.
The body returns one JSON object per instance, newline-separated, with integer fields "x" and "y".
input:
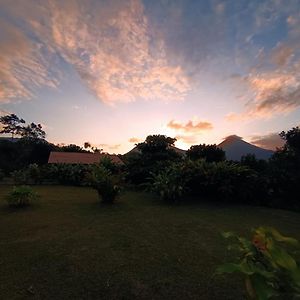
{"x": 235, "y": 148}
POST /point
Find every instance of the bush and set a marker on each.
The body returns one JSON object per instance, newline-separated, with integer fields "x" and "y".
{"x": 266, "y": 265}
{"x": 20, "y": 177}
{"x": 169, "y": 184}
{"x": 34, "y": 173}
{"x": 102, "y": 180}
{"x": 65, "y": 173}
{"x": 21, "y": 196}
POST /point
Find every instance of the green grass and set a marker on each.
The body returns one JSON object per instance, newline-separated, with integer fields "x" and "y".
{"x": 68, "y": 246}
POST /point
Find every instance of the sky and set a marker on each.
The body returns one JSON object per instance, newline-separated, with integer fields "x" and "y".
{"x": 112, "y": 72}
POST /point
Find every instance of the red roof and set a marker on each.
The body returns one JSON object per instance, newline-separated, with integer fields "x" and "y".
{"x": 80, "y": 158}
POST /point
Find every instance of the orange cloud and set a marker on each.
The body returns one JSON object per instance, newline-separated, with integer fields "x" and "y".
{"x": 108, "y": 44}
{"x": 270, "y": 94}
{"x": 134, "y": 140}
{"x": 190, "y": 126}
{"x": 187, "y": 139}
{"x": 22, "y": 67}
{"x": 270, "y": 141}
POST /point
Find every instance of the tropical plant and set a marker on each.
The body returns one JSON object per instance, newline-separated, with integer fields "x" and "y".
{"x": 104, "y": 182}
{"x": 35, "y": 173}
{"x": 211, "y": 153}
{"x": 266, "y": 265}
{"x": 169, "y": 184}
{"x": 21, "y": 196}
{"x": 20, "y": 176}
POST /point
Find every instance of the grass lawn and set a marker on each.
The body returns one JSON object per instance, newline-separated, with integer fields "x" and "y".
{"x": 68, "y": 246}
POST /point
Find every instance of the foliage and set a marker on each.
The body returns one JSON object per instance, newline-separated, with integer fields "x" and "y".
{"x": 253, "y": 163}
{"x": 20, "y": 176}
{"x": 21, "y": 196}
{"x": 156, "y": 143}
{"x": 73, "y": 174}
{"x": 169, "y": 184}
{"x": 211, "y": 153}
{"x": 106, "y": 184}
{"x": 223, "y": 181}
{"x": 155, "y": 154}
{"x": 292, "y": 138}
{"x": 73, "y": 148}
{"x": 11, "y": 124}
{"x": 33, "y": 131}
{"x": 34, "y": 173}
{"x": 268, "y": 268}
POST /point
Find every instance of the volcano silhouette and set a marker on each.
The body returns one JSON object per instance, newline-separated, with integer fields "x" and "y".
{"x": 235, "y": 147}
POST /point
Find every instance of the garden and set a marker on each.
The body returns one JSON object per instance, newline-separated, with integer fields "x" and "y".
{"x": 158, "y": 226}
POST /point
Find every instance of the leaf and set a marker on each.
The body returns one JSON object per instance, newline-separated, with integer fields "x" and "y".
{"x": 278, "y": 236}
{"x": 228, "y": 234}
{"x": 262, "y": 288}
{"x": 282, "y": 258}
{"x": 231, "y": 268}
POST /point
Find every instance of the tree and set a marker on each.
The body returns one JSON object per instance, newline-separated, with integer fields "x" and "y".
{"x": 73, "y": 148}
{"x": 211, "y": 153}
{"x": 156, "y": 143}
{"x": 33, "y": 131}
{"x": 154, "y": 155}
{"x": 11, "y": 124}
{"x": 292, "y": 140}
{"x": 87, "y": 145}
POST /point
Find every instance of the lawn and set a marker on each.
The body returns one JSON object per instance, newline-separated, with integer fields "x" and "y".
{"x": 68, "y": 246}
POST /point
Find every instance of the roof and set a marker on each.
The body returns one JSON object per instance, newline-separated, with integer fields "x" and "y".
{"x": 80, "y": 158}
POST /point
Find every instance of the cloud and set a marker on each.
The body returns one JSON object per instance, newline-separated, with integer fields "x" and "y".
{"x": 270, "y": 94}
{"x": 134, "y": 140}
{"x": 108, "y": 44}
{"x": 108, "y": 146}
{"x": 270, "y": 141}
{"x": 4, "y": 112}
{"x": 190, "y": 126}
{"x": 22, "y": 66}
{"x": 187, "y": 139}
{"x": 282, "y": 54}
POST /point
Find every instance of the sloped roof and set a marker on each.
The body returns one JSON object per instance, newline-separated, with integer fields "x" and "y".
{"x": 80, "y": 158}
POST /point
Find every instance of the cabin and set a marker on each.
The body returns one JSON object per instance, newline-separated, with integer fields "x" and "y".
{"x": 81, "y": 158}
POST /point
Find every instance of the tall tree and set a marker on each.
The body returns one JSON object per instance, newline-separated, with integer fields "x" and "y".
{"x": 211, "y": 153}
{"x": 33, "y": 131}
{"x": 11, "y": 124}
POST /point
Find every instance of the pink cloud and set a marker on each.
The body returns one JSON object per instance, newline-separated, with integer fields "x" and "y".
{"x": 108, "y": 44}
{"x": 270, "y": 141}
{"x": 190, "y": 126}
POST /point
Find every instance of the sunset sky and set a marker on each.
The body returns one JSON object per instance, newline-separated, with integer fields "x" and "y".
{"x": 112, "y": 72}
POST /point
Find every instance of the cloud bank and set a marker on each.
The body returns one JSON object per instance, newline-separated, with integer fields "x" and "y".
{"x": 108, "y": 44}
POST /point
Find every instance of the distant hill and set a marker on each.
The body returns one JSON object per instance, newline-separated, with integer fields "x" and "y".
{"x": 136, "y": 150}
{"x": 235, "y": 147}
{"x": 10, "y": 139}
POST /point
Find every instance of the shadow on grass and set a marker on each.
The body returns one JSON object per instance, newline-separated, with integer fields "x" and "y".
{"x": 8, "y": 209}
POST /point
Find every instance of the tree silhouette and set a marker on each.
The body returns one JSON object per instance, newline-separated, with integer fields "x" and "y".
{"x": 211, "y": 153}
{"x": 11, "y": 124}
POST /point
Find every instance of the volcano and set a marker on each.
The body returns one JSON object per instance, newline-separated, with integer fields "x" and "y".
{"x": 235, "y": 147}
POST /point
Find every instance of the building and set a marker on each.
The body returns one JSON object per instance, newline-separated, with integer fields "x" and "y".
{"x": 81, "y": 158}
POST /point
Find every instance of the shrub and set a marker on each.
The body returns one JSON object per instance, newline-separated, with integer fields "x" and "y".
{"x": 21, "y": 196}
{"x": 267, "y": 267}
{"x": 169, "y": 184}
{"x": 34, "y": 173}
{"x": 102, "y": 180}
{"x": 20, "y": 176}
{"x": 65, "y": 173}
